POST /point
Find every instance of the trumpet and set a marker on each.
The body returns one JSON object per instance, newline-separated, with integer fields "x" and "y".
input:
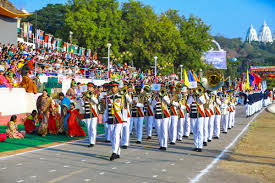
{"x": 199, "y": 90}
{"x": 123, "y": 91}
{"x": 162, "y": 92}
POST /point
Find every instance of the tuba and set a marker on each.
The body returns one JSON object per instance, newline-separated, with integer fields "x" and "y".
{"x": 212, "y": 79}
{"x": 199, "y": 90}
{"x": 162, "y": 92}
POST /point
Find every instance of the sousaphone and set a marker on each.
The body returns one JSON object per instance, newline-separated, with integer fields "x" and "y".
{"x": 212, "y": 79}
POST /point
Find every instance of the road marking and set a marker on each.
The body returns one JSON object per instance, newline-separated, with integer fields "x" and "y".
{"x": 211, "y": 165}
{"x": 19, "y": 164}
{"x": 20, "y": 180}
{"x": 87, "y": 180}
{"x": 127, "y": 162}
{"x": 181, "y": 159}
{"x": 155, "y": 176}
{"x": 164, "y": 170}
{"x": 4, "y": 168}
{"x": 52, "y": 171}
{"x": 172, "y": 164}
{"x": 58, "y": 179}
{"x": 83, "y": 160}
{"x": 101, "y": 173}
{"x": 57, "y": 154}
{"x": 66, "y": 166}
{"x": 41, "y": 158}
{"x": 45, "y": 148}
{"x": 114, "y": 168}
{"x": 33, "y": 176}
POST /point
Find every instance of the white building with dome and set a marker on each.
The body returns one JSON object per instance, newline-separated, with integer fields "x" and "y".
{"x": 251, "y": 34}
{"x": 264, "y": 35}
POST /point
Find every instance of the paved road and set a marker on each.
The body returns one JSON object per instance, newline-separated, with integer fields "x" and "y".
{"x": 75, "y": 163}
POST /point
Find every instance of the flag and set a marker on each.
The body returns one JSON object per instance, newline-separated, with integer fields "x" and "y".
{"x": 88, "y": 53}
{"x": 30, "y": 31}
{"x": 257, "y": 79}
{"x": 251, "y": 79}
{"x": 54, "y": 44}
{"x": 83, "y": 51}
{"x": 95, "y": 56}
{"x": 50, "y": 41}
{"x": 68, "y": 47}
{"x": 75, "y": 50}
{"x": 59, "y": 44}
{"x": 65, "y": 46}
{"x": 195, "y": 76}
{"x": 41, "y": 37}
{"x": 37, "y": 35}
{"x": 186, "y": 80}
{"x": 18, "y": 24}
{"x": 80, "y": 51}
{"x": 247, "y": 81}
{"x": 25, "y": 28}
{"x": 72, "y": 48}
{"x": 190, "y": 76}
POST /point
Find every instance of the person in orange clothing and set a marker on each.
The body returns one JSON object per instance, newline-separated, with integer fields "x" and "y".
{"x": 28, "y": 84}
{"x": 54, "y": 118}
{"x": 74, "y": 128}
{"x": 30, "y": 123}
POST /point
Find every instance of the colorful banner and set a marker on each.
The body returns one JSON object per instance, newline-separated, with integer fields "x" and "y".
{"x": 216, "y": 58}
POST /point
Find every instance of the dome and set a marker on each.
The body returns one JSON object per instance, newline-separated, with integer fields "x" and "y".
{"x": 251, "y": 34}
{"x": 265, "y": 34}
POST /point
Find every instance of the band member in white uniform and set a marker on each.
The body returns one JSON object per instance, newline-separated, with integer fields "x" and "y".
{"x": 173, "y": 122}
{"x": 211, "y": 119}
{"x": 149, "y": 116}
{"x": 126, "y": 126}
{"x": 107, "y": 130}
{"x": 217, "y": 120}
{"x": 225, "y": 111}
{"x": 115, "y": 117}
{"x": 182, "y": 114}
{"x": 91, "y": 118}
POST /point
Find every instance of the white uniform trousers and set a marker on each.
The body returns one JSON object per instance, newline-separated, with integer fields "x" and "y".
{"x": 187, "y": 126}
{"x": 205, "y": 129}
{"x": 107, "y": 131}
{"x": 139, "y": 127}
{"x": 211, "y": 127}
{"x": 192, "y": 124}
{"x": 149, "y": 120}
{"x": 91, "y": 128}
{"x": 230, "y": 121}
{"x": 180, "y": 128}
{"x": 125, "y": 133}
{"x": 173, "y": 124}
{"x": 163, "y": 132}
{"x": 233, "y": 119}
{"x": 116, "y": 130}
{"x": 198, "y": 132}
{"x": 157, "y": 126}
{"x": 131, "y": 124}
{"x": 217, "y": 126}
{"x": 225, "y": 122}
{"x": 246, "y": 110}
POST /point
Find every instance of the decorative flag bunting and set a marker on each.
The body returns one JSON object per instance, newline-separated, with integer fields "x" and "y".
{"x": 30, "y": 31}
{"x": 190, "y": 76}
{"x": 186, "y": 80}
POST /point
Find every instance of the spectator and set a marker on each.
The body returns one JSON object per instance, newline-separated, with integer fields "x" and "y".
{"x": 12, "y": 131}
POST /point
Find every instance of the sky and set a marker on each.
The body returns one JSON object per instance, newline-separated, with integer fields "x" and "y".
{"x": 230, "y": 18}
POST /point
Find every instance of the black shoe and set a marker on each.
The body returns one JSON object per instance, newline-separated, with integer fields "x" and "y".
{"x": 161, "y": 148}
{"x": 172, "y": 143}
{"x": 124, "y": 147}
{"x": 91, "y": 145}
{"x": 204, "y": 143}
{"x": 224, "y": 132}
{"x": 215, "y": 137}
{"x": 149, "y": 138}
{"x": 138, "y": 142}
{"x": 164, "y": 148}
{"x": 131, "y": 134}
{"x": 196, "y": 149}
{"x": 185, "y": 136}
{"x": 117, "y": 156}
{"x": 209, "y": 140}
{"x": 107, "y": 141}
{"x": 191, "y": 133}
{"x": 179, "y": 140}
{"x": 229, "y": 128}
{"x": 113, "y": 157}
{"x": 199, "y": 150}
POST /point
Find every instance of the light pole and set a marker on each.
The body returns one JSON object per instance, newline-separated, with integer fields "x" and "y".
{"x": 71, "y": 36}
{"x": 109, "y": 46}
{"x": 156, "y": 58}
{"x": 181, "y": 72}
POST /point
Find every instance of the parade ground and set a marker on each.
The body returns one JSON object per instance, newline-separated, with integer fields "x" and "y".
{"x": 73, "y": 162}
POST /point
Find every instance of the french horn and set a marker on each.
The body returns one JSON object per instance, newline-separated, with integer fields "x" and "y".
{"x": 212, "y": 79}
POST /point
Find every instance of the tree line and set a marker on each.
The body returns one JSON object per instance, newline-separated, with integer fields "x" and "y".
{"x": 136, "y": 32}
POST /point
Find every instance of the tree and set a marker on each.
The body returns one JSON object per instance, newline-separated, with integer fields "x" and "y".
{"x": 50, "y": 19}
{"x": 94, "y": 24}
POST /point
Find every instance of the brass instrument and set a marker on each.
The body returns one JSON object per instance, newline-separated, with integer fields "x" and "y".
{"x": 102, "y": 105}
{"x": 212, "y": 79}
{"x": 162, "y": 92}
{"x": 123, "y": 91}
{"x": 199, "y": 90}
{"x": 147, "y": 88}
{"x": 179, "y": 85}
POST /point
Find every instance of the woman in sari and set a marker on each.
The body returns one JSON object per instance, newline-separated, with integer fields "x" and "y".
{"x": 74, "y": 129}
{"x": 12, "y": 131}
{"x": 30, "y": 123}
{"x": 43, "y": 105}
{"x": 54, "y": 118}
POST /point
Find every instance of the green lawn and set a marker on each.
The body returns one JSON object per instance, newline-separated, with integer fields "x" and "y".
{"x": 31, "y": 140}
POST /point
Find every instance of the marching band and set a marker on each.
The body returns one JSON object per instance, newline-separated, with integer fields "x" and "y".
{"x": 174, "y": 111}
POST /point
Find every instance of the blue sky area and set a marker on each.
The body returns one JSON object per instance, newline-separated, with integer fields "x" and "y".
{"x": 230, "y": 18}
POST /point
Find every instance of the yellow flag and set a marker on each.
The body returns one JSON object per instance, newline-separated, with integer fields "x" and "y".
{"x": 247, "y": 81}
{"x": 186, "y": 80}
